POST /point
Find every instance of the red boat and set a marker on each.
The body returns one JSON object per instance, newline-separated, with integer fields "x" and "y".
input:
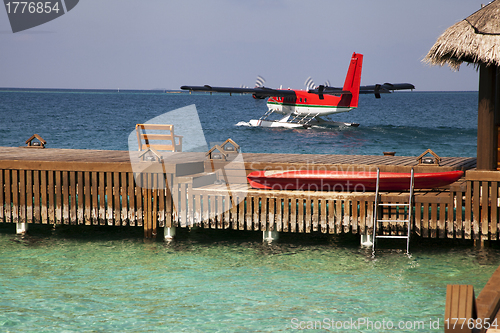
{"x": 340, "y": 181}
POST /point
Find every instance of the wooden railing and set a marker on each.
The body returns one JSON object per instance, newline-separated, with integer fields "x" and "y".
{"x": 81, "y": 197}
{"x": 482, "y": 203}
{"x": 108, "y": 194}
{"x": 283, "y": 211}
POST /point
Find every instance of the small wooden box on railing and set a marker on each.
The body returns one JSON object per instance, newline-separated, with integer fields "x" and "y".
{"x": 423, "y": 160}
{"x": 35, "y": 141}
{"x": 224, "y": 152}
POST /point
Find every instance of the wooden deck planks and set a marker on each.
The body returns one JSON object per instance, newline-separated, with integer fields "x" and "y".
{"x": 15, "y": 196}
{"x": 7, "y": 196}
{"x": 131, "y": 200}
{"x": 102, "y": 199}
{"x": 65, "y": 198}
{"x": 72, "y": 198}
{"x": 494, "y": 210}
{"x": 86, "y": 199}
{"x": 109, "y": 198}
{"x": 48, "y": 186}
{"x": 468, "y": 212}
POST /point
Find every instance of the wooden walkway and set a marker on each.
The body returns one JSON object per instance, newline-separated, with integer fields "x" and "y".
{"x": 80, "y": 159}
{"x": 12, "y": 157}
{"x": 98, "y": 187}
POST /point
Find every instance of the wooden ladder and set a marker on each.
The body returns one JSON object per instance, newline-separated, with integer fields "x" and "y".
{"x": 376, "y": 219}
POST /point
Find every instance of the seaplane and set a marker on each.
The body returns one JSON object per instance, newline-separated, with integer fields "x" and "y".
{"x": 305, "y": 108}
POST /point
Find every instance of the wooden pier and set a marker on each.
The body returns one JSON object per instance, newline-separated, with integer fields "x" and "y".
{"x": 97, "y": 187}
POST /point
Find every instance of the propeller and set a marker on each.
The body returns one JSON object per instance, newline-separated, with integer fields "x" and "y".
{"x": 260, "y": 81}
{"x": 309, "y": 83}
{"x": 327, "y": 83}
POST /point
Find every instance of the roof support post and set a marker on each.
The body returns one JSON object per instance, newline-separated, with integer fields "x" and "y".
{"x": 487, "y": 134}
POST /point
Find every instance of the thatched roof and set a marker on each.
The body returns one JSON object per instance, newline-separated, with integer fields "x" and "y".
{"x": 475, "y": 39}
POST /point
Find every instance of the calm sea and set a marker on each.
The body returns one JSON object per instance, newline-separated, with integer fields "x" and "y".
{"x": 111, "y": 280}
{"x": 405, "y": 122}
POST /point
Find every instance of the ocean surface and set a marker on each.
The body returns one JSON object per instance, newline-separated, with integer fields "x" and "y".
{"x": 405, "y": 122}
{"x": 112, "y": 280}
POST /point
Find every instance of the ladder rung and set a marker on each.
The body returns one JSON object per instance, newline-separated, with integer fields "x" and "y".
{"x": 404, "y": 221}
{"x": 381, "y": 236}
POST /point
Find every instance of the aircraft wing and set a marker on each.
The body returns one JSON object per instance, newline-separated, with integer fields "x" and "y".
{"x": 385, "y": 88}
{"x": 262, "y": 92}
{"x": 259, "y": 92}
{"x": 376, "y": 89}
{"x": 322, "y": 90}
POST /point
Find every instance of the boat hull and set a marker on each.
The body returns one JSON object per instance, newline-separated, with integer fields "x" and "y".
{"x": 348, "y": 181}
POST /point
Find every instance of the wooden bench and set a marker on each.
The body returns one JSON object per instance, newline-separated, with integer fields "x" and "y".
{"x": 487, "y": 307}
{"x": 460, "y": 308}
{"x": 488, "y": 302}
{"x": 164, "y": 135}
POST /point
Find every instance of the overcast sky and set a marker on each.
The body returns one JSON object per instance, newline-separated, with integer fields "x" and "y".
{"x": 132, "y": 44}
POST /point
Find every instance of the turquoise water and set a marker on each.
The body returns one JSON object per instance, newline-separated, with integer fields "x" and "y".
{"x": 110, "y": 280}
{"x": 93, "y": 280}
